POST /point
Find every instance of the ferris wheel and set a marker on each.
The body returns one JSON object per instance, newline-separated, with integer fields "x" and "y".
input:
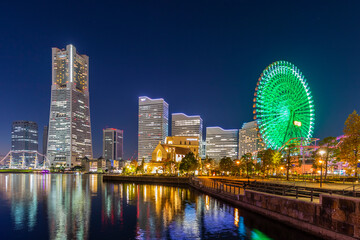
{"x": 283, "y": 105}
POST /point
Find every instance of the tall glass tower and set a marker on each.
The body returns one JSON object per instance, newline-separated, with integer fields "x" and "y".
{"x": 69, "y": 137}
{"x": 113, "y": 144}
{"x": 153, "y": 125}
{"x": 24, "y": 143}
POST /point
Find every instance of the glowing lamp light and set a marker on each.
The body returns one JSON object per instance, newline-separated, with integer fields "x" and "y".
{"x": 297, "y": 123}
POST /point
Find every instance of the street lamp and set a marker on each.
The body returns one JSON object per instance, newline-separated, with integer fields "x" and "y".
{"x": 322, "y": 152}
{"x": 238, "y": 163}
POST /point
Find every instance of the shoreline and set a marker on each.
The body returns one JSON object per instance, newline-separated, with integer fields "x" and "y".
{"x": 298, "y": 214}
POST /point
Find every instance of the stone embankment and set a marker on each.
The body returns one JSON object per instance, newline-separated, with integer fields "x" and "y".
{"x": 148, "y": 179}
{"x": 334, "y": 217}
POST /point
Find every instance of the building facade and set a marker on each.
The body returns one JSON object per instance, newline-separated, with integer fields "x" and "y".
{"x": 44, "y": 143}
{"x": 249, "y": 139}
{"x": 24, "y": 144}
{"x": 69, "y": 137}
{"x": 113, "y": 144}
{"x": 175, "y": 148}
{"x": 221, "y": 143}
{"x": 184, "y": 125}
{"x": 153, "y": 125}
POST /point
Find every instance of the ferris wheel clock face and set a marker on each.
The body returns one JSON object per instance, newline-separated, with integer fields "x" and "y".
{"x": 283, "y": 105}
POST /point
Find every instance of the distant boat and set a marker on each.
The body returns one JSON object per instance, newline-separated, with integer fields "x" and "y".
{"x": 45, "y": 171}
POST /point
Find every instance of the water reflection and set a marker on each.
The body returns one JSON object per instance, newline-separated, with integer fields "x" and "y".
{"x": 60, "y": 206}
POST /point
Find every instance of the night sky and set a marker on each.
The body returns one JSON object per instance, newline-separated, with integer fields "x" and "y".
{"x": 203, "y": 57}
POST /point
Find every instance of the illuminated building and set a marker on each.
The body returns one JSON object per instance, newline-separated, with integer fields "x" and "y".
{"x": 153, "y": 125}
{"x": 96, "y": 165}
{"x": 249, "y": 140}
{"x": 24, "y": 143}
{"x": 184, "y": 125}
{"x": 202, "y": 149}
{"x": 221, "y": 143}
{"x": 113, "y": 144}
{"x": 69, "y": 136}
{"x": 175, "y": 148}
{"x": 45, "y": 139}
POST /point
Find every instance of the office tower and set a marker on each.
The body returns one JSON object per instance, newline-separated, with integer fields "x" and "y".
{"x": 44, "y": 144}
{"x": 203, "y": 149}
{"x": 24, "y": 143}
{"x": 153, "y": 125}
{"x": 69, "y": 137}
{"x": 249, "y": 140}
{"x": 221, "y": 143}
{"x": 184, "y": 125}
{"x": 112, "y": 144}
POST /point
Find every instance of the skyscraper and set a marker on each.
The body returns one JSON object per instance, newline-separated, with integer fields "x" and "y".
{"x": 24, "y": 143}
{"x": 113, "y": 144}
{"x": 221, "y": 143}
{"x": 184, "y": 125}
{"x": 45, "y": 139}
{"x": 249, "y": 141}
{"x": 153, "y": 125}
{"x": 69, "y": 124}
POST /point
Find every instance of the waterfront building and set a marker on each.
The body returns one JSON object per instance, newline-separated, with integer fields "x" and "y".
{"x": 172, "y": 151}
{"x": 24, "y": 143}
{"x": 153, "y": 125}
{"x": 69, "y": 137}
{"x": 175, "y": 148}
{"x": 221, "y": 143}
{"x": 249, "y": 139}
{"x": 44, "y": 143}
{"x": 113, "y": 144}
{"x": 97, "y": 165}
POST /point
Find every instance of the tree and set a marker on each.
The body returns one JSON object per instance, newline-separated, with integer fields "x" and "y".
{"x": 290, "y": 160}
{"x": 276, "y": 161}
{"x": 247, "y": 163}
{"x": 350, "y": 146}
{"x": 189, "y": 163}
{"x": 327, "y": 151}
{"x": 226, "y": 164}
{"x": 266, "y": 157}
{"x": 208, "y": 164}
{"x": 141, "y": 168}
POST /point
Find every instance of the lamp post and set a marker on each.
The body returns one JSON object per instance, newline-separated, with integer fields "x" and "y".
{"x": 238, "y": 163}
{"x": 322, "y": 152}
{"x": 208, "y": 167}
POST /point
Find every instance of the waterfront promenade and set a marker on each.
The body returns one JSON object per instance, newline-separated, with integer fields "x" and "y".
{"x": 330, "y": 216}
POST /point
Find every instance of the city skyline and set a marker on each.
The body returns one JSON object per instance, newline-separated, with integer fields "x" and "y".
{"x": 222, "y": 61}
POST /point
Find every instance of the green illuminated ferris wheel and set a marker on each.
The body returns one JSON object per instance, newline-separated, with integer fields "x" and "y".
{"x": 283, "y": 105}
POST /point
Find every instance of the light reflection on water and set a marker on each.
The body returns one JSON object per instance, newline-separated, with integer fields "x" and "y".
{"x": 60, "y": 206}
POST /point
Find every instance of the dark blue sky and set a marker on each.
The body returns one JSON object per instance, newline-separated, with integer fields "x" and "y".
{"x": 203, "y": 57}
